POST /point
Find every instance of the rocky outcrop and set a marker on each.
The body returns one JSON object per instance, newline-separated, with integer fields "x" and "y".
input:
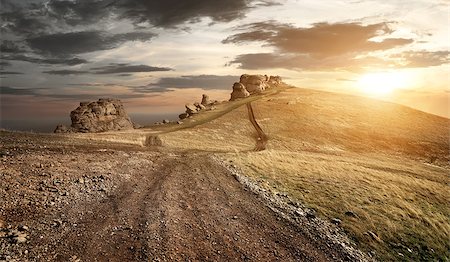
{"x": 102, "y": 115}
{"x": 275, "y": 80}
{"x": 239, "y": 91}
{"x": 254, "y": 83}
{"x": 205, "y": 100}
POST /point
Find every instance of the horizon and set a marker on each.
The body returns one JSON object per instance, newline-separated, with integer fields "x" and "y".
{"x": 157, "y": 56}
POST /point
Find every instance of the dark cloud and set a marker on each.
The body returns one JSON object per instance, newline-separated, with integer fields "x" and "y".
{"x": 49, "y": 61}
{"x": 322, "y": 39}
{"x": 79, "y": 12}
{"x": 67, "y": 44}
{"x": 10, "y": 73}
{"x": 127, "y": 68}
{"x": 422, "y": 58}
{"x": 169, "y": 84}
{"x": 65, "y": 72}
{"x": 123, "y": 69}
{"x": 9, "y": 47}
{"x": 4, "y": 64}
{"x": 197, "y": 81}
{"x": 171, "y": 13}
{"x": 306, "y": 62}
{"x": 6, "y": 90}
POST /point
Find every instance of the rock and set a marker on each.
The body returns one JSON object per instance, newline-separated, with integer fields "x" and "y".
{"x": 310, "y": 214}
{"x": 336, "y": 221}
{"x": 350, "y": 214}
{"x": 62, "y": 129}
{"x": 374, "y": 236}
{"x": 165, "y": 121}
{"x": 205, "y": 100}
{"x": 21, "y": 238}
{"x": 191, "y": 109}
{"x": 23, "y": 228}
{"x": 153, "y": 141}
{"x": 275, "y": 80}
{"x": 254, "y": 83}
{"x": 183, "y": 116}
{"x": 239, "y": 91}
{"x": 179, "y": 122}
{"x": 100, "y": 116}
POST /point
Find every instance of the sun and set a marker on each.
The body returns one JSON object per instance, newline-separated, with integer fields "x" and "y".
{"x": 382, "y": 83}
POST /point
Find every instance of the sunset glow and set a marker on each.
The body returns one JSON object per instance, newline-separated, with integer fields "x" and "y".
{"x": 382, "y": 83}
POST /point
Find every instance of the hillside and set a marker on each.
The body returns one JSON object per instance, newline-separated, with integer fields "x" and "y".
{"x": 334, "y": 166}
{"x": 382, "y": 169}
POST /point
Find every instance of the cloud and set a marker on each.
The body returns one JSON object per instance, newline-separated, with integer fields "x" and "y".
{"x": 6, "y": 90}
{"x": 10, "y": 73}
{"x": 198, "y": 81}
{"x": 422, "y": 58}
{"x": 9, "y": 47}
{"x": 50, "y": 61}
{"x": 65, "y": 72}
{"x": 171, "y": 13}
{"x": 328, "y": 47}
{"x": 67, "y": 44}
{"x": 123, "y": 69}
{"x": 305, "y": 62}
{"x": 320, "y": 40}
{"x": 169, "y": 84}
{"x": 127, "y": 68}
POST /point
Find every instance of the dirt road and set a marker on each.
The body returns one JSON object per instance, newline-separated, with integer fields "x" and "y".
{"x": 91, "y": 203}
{"x": 189, "y": 208}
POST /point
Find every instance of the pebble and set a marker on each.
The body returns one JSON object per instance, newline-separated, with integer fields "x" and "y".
{"x": 336, "y": 221}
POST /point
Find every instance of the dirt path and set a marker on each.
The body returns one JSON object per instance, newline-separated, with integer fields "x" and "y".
{"x": 262, "y": 138}
{"x": 188, "y": 208}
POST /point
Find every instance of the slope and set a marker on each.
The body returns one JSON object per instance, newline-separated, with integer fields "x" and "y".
{"x": 379, "y": 170}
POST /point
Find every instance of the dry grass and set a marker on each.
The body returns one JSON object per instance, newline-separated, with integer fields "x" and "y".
{"x": 403, "y": 202}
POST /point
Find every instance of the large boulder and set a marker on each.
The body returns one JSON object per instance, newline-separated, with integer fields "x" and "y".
{"x": 254, "y": 83}
{"x": 239, "y": 91}
{"x": 191, "y": 109}
{"x": 100, "y": 116}
{"x": 205, "y": 100}
{"x": 275, "y": 80}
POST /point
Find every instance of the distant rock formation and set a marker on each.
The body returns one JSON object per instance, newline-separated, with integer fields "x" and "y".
{"x": 205, "y": 100}
{"x": 100, "y": 116}
{"x": 239, "y": 91}
{"x": 253, "y": 84}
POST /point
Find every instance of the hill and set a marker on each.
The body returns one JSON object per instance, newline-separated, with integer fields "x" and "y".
{"x": 380, "y": 168}
{"x": 334, "y": 165}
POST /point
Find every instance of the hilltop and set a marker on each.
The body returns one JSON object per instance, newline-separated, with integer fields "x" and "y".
{"x": 339, "y": 171}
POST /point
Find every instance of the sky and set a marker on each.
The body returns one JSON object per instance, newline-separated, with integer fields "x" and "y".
{"x": 158, "y": 55}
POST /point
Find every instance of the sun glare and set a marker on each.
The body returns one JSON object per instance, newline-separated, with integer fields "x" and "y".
{"x": 382, "y": 83}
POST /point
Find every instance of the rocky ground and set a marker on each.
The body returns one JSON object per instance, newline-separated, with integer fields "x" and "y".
{"x": 77, "y": 200}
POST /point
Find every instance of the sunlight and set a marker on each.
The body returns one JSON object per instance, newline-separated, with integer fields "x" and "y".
{"x": 382, "y": 83}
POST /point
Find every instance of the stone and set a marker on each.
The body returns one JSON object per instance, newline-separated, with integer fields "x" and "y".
{"x": 165, "y": 121}
{"x": 336, "y": 221}
{"x": 100, "y": 116}
{"x": 183, "y": 115}
{"x": 191, "y": 109}
{"x": 275, "y": 80}
{"x": 254, "y": 83}
{"x": 205, "y": 100}
{"x": 239, "y": 91}
{"x": 62, "y": 129}
{"x": 350, "y": 214}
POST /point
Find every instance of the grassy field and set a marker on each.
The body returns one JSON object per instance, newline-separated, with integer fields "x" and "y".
{"x": 381, "y": 168}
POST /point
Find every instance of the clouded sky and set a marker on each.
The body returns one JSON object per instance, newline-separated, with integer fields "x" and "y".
{"x": 158, "y": 55}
